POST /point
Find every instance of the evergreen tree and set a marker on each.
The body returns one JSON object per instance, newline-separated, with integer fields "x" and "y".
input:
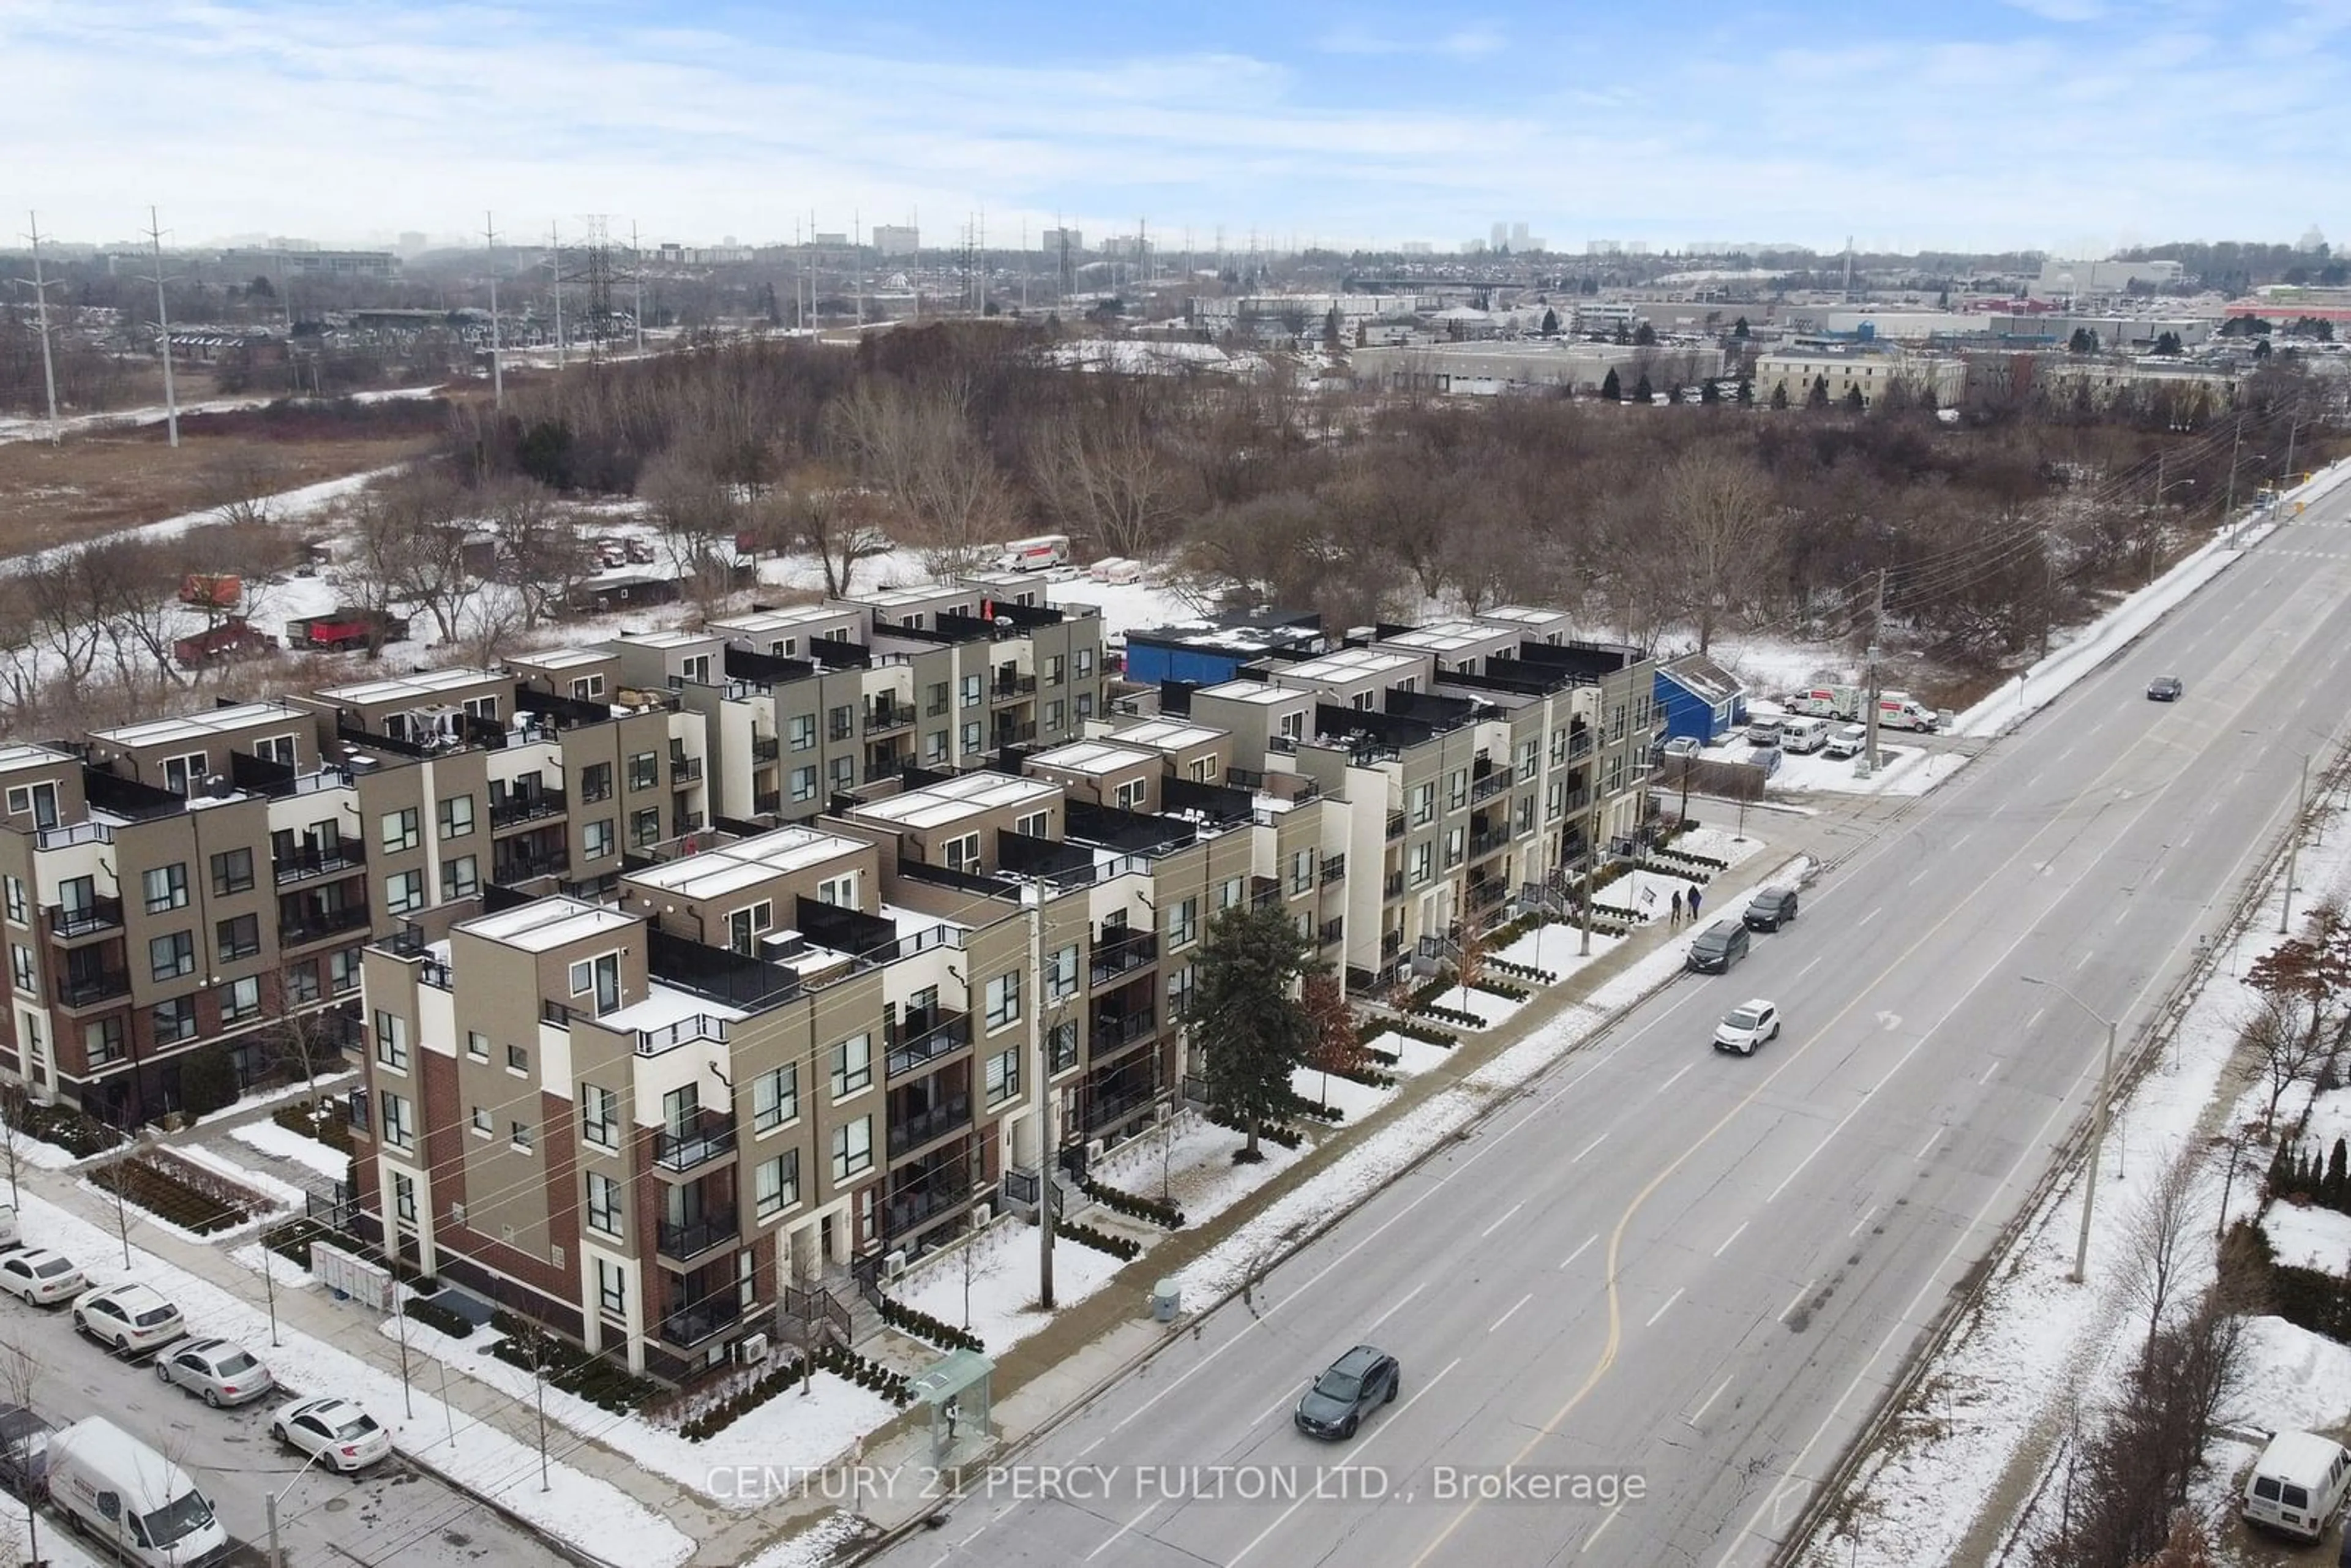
{"x": 1747, "y": 393}
{"x": 1708, "y": 393}
{"x": 1643, "y": 392}
{"x": 1550, "y": 322}
{"x": 1819, "y": 396}
{"x": 1611, "y": 388}
{"x": 1644, "y": 335}
{"x": 1853, "y": 400}
{"x": 2336, "y": 1192}
{"x": 1252, "y": 1032}
{"x": 1779, "y": 395}
{"x": 1739, "y": 329}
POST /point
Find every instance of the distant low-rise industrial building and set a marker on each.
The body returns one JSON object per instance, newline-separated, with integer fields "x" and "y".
{"x": 1534, "y": 364}
{"x": 1870, "y": 369}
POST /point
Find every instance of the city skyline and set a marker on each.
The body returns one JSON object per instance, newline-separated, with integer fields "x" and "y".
{"x": 2055, "y": 125}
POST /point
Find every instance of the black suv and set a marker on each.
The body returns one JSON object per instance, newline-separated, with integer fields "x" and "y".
{"x": 1770, "y": 909}
{"x": 2165, "y": 689}
{"x": 1335, "y": 1405}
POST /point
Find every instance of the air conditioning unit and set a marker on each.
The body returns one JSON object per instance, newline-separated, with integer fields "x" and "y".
{"x": 893, "y": 1264}
{"x": 1161, "y": 1112}
{"x": 981, "y": 1213}
{"x": 751, "y": 1347}
{"x": 1094, "y": 1152}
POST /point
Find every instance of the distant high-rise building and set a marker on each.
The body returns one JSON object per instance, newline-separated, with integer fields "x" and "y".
{"x": 1415, "y": 247}
{"x": 1517, "y": 236}
{"x": 1603, "y": 247}
{"x": 897, "y": 239}
{"x": 1050, "y": 241}
{"x": 413, "y": 242}
{"x": 1473, "y": 247}
{"x": 1501, "y": 233}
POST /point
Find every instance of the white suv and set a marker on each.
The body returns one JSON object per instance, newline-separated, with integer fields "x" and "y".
{"x": 131, "y": 1317}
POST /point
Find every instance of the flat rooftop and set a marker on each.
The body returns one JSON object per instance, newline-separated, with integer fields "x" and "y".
{"x": 546, "y": 924}
{"x": 564, "y": 658}
{"x": 965, "y": 795}
{"x": 746, "y": 863}
{"x": 1169, "y": 734}
{"x": 1524, "y": 615}
{"x": 208, "y": 724}
{"x": 1264, "y": 693}
{"x": 913, "y": 593}
{"x": 1349, "y": 665}
{"x": 426, "y": 687}
{"x": 668, "y": 639}
{"x": 766, "y": 621}
{"x": 1446, "y": 637}
{"x": 1095, "y": 758}
{"x": 19, "y": 758}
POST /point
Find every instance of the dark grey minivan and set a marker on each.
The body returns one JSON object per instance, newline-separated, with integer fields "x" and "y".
{"x": 1718, "y": 947}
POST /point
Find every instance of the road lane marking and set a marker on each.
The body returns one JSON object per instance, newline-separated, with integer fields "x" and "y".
{"x": 1504, "y": 1220}
{"x": 1266, "y": 1412}
{"x": 1506, "y": 1317}
{"x": 1669, "y": 1082}
{"x": 1929, "y": 1144}
{"x": 1992, "y": 1069}
{"x": 1846, "y": 1120}
{"x": 1870, "y": 919}
{"x": 1854, "y": 1231}
{"x": 1963, "y": 837}
{"x": 1089, "y": 1447}
{"x": 2084, "y": 961}
{"x": 1695, "y": 1416}
{"x": 1603, "y": 1525}
{"x": 1385, "y": 1427}
{"x": 1581, "y": 1251}
{"x": 1661, "y": 1311}
{"x": 2035, "y": 1017}
{"x": 1588, "y": 1148}
{"x": 1731, "y": 1237}
{"x": 1924, "y": 872}
{"x": 1394, "y": 1308}
{"x": 1788, "y": 1310}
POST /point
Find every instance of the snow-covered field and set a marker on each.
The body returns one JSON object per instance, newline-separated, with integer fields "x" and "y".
{"x": 287, "y": 1144}
{"x": 2311, "y": 1238}
{"x": 1484, "y": 1005}
{"x": 1351, "y": 1099}
{"x": 998, "y": 1301}
{"x": 1191, "y": 1158}
{"x": 1413, "y": 1057}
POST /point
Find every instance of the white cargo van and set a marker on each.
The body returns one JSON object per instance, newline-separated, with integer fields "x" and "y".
{"x": 140, "y": 1505}
{"x": 2296, "y": 1484}
{"x": 1802, "y": 734}
{"x": 1895, "y": 710}
{"x": 1040, "y": 554}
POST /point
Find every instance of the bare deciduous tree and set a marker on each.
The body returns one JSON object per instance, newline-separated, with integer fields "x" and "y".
{"x": 543, "y": 550}
{"x": 1104, "y": 477}
{"x": 2162, "y": 1245}
{"x": 922, "y": 451}
{"x": 2289, "y": 1050}
{"x": 1717, "y": 507}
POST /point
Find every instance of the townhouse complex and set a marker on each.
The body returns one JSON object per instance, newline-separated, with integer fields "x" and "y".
{"x": 691, "y": 969}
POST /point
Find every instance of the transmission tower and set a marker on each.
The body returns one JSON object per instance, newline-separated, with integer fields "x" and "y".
{"x": 597, "y": 273}
{"x": 163, "y": 328}
{"x": 41, "y": 288}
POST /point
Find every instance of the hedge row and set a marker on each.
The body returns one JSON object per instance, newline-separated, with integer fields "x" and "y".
{"x": 1451, "y": 1015}
{"x": 1124, "y": 1248}
{"x": 724, "y": 1412}
{"x": 1272, "y": 1132}
{"x": 922, "y": 1326}
{"x": 1523, "y": 971}
{"x": 603, "y": 1383}
{"x": 866, "y": 1372}
{"x": 1132, "y": 1205}
{"x": 434, "y": 1316}
{"x": 1504, "y": 989}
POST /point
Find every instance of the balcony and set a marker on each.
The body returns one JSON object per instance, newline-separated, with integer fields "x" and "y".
{"x": 1009, "y": 690}
{"x": 1393, "y": 885}
{"x": 71, "y": 922}
{"x": 1334, "y": 870}
{"x": 1112, "y": 959}
{"x": 684, "y": 822}
{"x": 1331, "y": 931}
{"x": 765, "y": 801}
{"x": 682, "y": 1241}
{"x": 1114, "y": 1031}
{"x": 90, "y": 990}
{"x": 1492, "y": 785}
{"x": 1486, "y": 895}
{"x": 950, "y": 1034}
{"x": 694, "y": 1325}
{"x": 531, "y": 807}
{"x": 888, "y": 720}
{"x": 1015, "y": 734}
{"x": 1106, "y": 1108}
{"x": 73, "y": 833}
{"x": 890, "y": 767}
{"x": 709, "y": 1136}
{"x": 669, "y": 1037}
{"x": 764, "y": 749}
{"x": 509, "y": 869}
{"x": 1396, "y": 826}
{"x": 907, "y": 1211}
{"x": 337, "y": 859}
{"x": 1486, "y": 843}
{"x": 909, "y": 1133}
{"x": 1391, "y": 944}
{"x": 683, "y": 770}
{"x": 319, "y": 925}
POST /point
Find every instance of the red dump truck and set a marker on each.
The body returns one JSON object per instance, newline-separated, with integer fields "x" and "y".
{"x": 235, "y": 638}
{"x": 344, "y": 631}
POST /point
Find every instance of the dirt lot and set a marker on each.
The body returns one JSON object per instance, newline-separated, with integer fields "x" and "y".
{"x": 94, "y": 485}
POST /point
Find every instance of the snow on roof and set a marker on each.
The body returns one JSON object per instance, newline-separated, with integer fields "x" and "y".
{"x": 1350, "y": 664}
{"x": 1094, "y": 757}
{"x": 911, "y": 593}
{"x": 546, "y": 924}
{"x": 425, "y": 685}
{"x": 1446, "y": 637}
{"x": 203, "y": 724}
{"x": 565, "y": 658}
{"x": 954, "y": 798}
{"x": 666, "y": 640}
{"x": 1168, "y": 734}
{"x": 15, "y": 758}
{"x": 1703, "y": 678}
{"x": 781, "y": 619}
{"x": 1524, "y": 615}
{"x": 746, "y": 863}
{"x": 665, "y": 1004}
{"x": 1261, "y": 692}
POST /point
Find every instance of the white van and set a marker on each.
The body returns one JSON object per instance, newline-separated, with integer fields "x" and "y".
{"x": 140, "y": 1505}
{"x": 1040, "y": 554}
{"x": 1802, "y": 734}
{"x": 2296, "y": 1484}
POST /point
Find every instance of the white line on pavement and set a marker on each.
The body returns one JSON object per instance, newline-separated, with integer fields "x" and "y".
{"x": 1695, "y": 1416}
{"x": 1580, "y": 1252}
{"x": 1799, "y": 1302}
{"x": 1929, "y": 1144}
{"x": 1504, "y": 1220}
{"x": 1589, "y": 1147}
{"x": 1731, "y": 1237}
{"x": 1393, "y": 1307}
{"x": 1506, "y": 1317}
{"x": 1604, "y": 1524}
{"x": 1854, "y": 1231}
{"x": 1661, "y": 1311}
{"x": 1669, "y": 1082}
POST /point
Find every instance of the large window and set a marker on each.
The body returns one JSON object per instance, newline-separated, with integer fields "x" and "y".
{"x": 775, "y": 1098}
{"x": 402, "y": 830}
{"x": 461, "y": 877}
{"x": 232, "y": 872}
{"x": 603, "y": 1203}
{"x": 1423, "y": 803}
{"x": 172, "y": 956}
{"x": 852, "y": 1148}
{"x": 398, "y": 1125}
{"x": 166, "y": 887}
{"x": 775, "y": 1184}
{"x": 239, "y": 1000}
{"x": 853, "y": 1064}
{"x": 595, "y": 782}
{"x": 457, "y": 816}
{"x": 391, "y": 1040}
{"x": 804, "y": 784}
{"x": 1183, "y": 923}
{"x": 1061, "y": 973}
{"x": 1179, "y": 990}
{"x": 1003, "y": 1000}
{"x": 644, "y": 770}
{"x": 1003, "y": 1076}
{"x": 611, "y": 1288}
{"x": 800, "y": 731}
{"x": 597, "y": 839}
{"x": 599, "y": 1116}
{"x": 403, "y": 892}
{"x": 237, "y": 938}
{"x": 974, "y": 689}
{"x": 175, "y": 1020}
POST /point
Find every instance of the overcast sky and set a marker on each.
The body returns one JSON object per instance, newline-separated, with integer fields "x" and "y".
{"x": 2073, "y": 126}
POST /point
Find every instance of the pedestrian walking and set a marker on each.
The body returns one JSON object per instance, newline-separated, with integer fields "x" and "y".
{"x": 1693, "y": 904}
{"x": 1678, "y": 906}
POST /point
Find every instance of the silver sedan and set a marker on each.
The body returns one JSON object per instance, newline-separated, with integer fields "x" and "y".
{"x": 220, "y": 1371}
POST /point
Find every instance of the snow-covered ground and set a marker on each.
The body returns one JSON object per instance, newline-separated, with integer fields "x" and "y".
{"x": 1487, "y": 1007}
{"x": 1133, "y": 606}
{"x": 2311, "y": 1238}
{"x": 1190, "y": 1159}
{"x": 1413, "y": 1057}
{"x": 1353, "y": 1101}
{"x": 1002, "y": 1304}
{"x": 287, "y": 1144}
{"x": 2037, "y": 1338}
{"x": 576, "y": 1507}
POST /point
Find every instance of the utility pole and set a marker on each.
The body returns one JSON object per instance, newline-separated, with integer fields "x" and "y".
{"x": 2098, "y": 1123}
{"x": 555, "y": 271}
{"x": 637, "y": 275}
{"x": 41, "y": 297}
{"x": 1034, "y": 892}
{"x": 2048, "y": 590}
{"x": 163, "y": 331}
{"x": 2229, "y": 507}
{"x": 2285, "y": 474}
{"x": 1870, "y": 717}
{"x": 498, "y": 362}
{"x": 2294, "y": 842}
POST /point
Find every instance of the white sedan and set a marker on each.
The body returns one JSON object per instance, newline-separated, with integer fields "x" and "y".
{"x": 39, "y": 1277}
{"x": 1747, "y": 1026}
{"x": 335, "y": 1432}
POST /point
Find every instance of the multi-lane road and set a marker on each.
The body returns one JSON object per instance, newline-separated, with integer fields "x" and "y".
{"x": 1691, "y": 1274}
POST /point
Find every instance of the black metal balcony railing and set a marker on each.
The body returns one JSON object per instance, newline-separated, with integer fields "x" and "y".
{"x": 903, "y": 1211}
{"x": 1016, "y": 733}
{"x": 1395, "y": 824}
{"x": 556, "y": 1013}
{"x": 1112, "y": 1031}
{"x": 1017, "y": 686}
{"x": 527, "y": 807}
{"x": 1493, "y": 784}
{"x": 685, "y": 769}
{"x": 1486, "y": 895}
{"x": 69, "y": 921}
{"x": 316, "y": 925}
{"x": 708, "y": 1137}
{"x": 1112, "y": 959}
{"x": 912, "y": 1131}
{"x": 766, "y": 749}
{"x": 1391, "y": 943}
{"x": 1333, "y": 930}
{"x": 1393, "y": 886}
{"x": 87, "y": 990}
{"x": 684, "y": 822}
{"x": 942, "y": 1039}
{"x": 889, "y": 768}
{"x": 888, "y": 720}
{"x": 509, "y": 869}
{"x": 690, "y": 1238}
{"x": 691, "y": 1326}
{"x": 1105, "y": 1107}
{"x": 766, "y": 800}
{"x": 331, "y": 860}
{"x": 1334, "y": 870}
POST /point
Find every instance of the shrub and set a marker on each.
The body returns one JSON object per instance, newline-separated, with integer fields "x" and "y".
{"x": 1272, "y": 1132}
{"x": 604, "y": 1383}
{"x": 292, "y": 1240}
{"x": 434, "y": 1316}
{"x": 1119, "y": 1246}
{"x": 1453, "y": 1015}
{"x": 184, "y": 1195}
{"x": 1133, "y": 1205}
{"x": 1425, "y": 1033}
{"x": 922, "y": 1326}
{"x": 1523, "y": 971}
{"x": 324, "y": 1119}
{"x": 1384, "y": 1058}
{"x": 723, "y": 1412}
{"x": 866, "y": 1372}
{"x": 70, "y": 1127}
{"x": 207, "y": 1081}
{"x": 1504, "y": 989}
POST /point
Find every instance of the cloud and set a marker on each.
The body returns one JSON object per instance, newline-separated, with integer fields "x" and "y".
{"x": 1461, "y": 44}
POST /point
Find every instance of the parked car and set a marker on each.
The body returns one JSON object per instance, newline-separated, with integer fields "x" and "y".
{"x": 11, "y": 1233}
{"x": 1849, "y": 740}
{"x": 333, "y": 1431}
{"x": 1747, "y": 1026}
{"x": 140, "y": 1507}
{"x": 40, "y": 1277}
{"x": 1335, "y": 1403}
{"x": 131, "y": 1317}
{"x": 1684, "y": 746}
{"x": 1715, "y": 949}
{"x": 24, "y": 1451}
{"x": 1771, "y": 908}
{"x": 2165, "y": 689}
{"x": 221, "y": 1371}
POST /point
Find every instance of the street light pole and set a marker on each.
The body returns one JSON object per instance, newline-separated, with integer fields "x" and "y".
{"x": 2294, "y": 842}
{"x": 2098, "y": 1123}
{"x": 270, "y": 1507}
